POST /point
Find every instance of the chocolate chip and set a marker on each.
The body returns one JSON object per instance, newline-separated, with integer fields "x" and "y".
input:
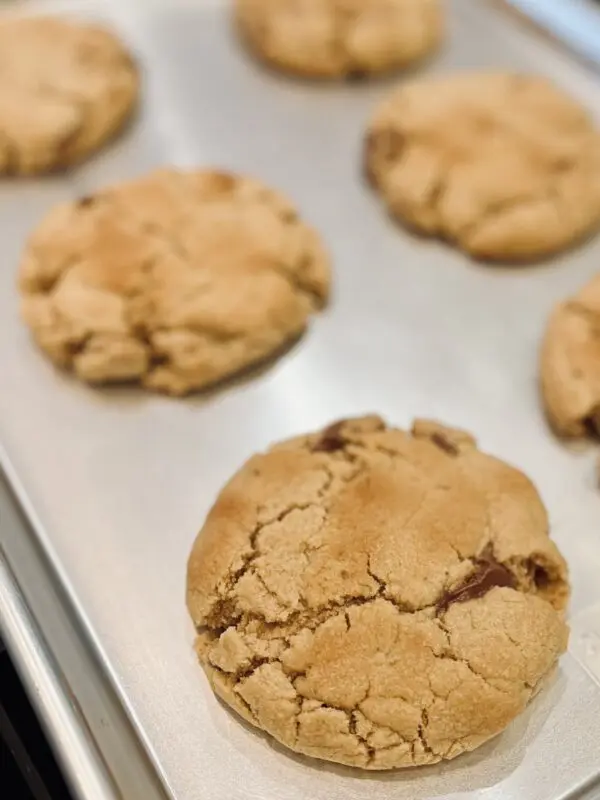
{"x": 382, "y": 146}
{"x": 387, "y": 144}
{"x": 591, "y": 423}
{"x": 331, "y": 439}
{"x": 445, "y": 444}
{"x": 488, "y": 573}
{"x": 357, "y": 74}
{"x": 86, "y": 201}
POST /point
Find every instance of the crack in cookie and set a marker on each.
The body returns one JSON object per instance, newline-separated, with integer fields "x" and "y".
{"x": 376, "y": 597}
{"x": 506, "y": 167}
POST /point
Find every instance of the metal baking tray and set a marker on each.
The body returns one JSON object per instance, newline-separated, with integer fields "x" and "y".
{"x": 574, "y": 22}
{"x": 116, "y": 482}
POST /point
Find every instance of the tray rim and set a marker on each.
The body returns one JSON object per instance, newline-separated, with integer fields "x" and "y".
{"x": 79, "y": 707}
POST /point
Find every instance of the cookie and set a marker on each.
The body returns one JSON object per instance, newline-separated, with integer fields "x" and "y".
{"x": 340, "y": 38}
{"x": 66, "y": 87}
{"x": 174, "y": 280}
{"x": 506, "y": 167}
{"x": 570, "y": 363}
{"x": 378, "y": 598}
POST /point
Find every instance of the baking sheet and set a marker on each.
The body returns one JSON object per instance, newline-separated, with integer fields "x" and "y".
{"x": 116, "y": 482}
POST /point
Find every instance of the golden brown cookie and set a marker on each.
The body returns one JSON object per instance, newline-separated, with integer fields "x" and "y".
{"x": 175, "y": 280}
{"x": 65, "y": 88}
{"x": 570, "y": 363}
{"x": 506, "y": 167}
{"x": 340, "y": 38}
{"x": 375, "y": 597}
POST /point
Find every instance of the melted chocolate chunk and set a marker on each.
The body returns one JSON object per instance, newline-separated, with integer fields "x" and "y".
{"x": 331, "y": 439}
{"x": 488, "y": 573}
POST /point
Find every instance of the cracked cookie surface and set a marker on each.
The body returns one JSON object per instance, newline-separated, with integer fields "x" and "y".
{"x": 506, "y": 167}
{"x": 378, "y": 598}
{"x": 570, "y": 363}
{"x": 65, "y": 88}
{"x": 340, "y": 38}
{"x": 175, "y": 280}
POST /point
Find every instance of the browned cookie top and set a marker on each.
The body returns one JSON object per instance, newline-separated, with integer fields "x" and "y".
{"x": 505, "y": 166}
{"x": 175, "y": 280}
{"x": 340, "y": 38}
{"x": 375, "y": 597}
{"x": 570, "y": 363}
{"x": 65, "y": 87}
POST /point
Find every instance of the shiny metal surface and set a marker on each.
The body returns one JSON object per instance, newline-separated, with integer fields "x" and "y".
{"x": 82, "y": 764}
{"x": 116, "y": 483}
{"x": 574, "y": 22}
{"x": 69, "y": 673}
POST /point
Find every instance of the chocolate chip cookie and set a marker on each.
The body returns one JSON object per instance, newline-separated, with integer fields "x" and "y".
{"x": 66, "y": 87}
{"x": 506, "y": 167}
{"x": 570, "y": 363}
{"x": 340, "y": 38}
{"x": 174, "y": 280}
{"x": 375, "y": 597}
